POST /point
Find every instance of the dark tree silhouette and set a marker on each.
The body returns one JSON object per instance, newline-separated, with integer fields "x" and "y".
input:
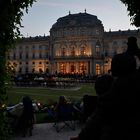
{"x": 133, "y": 8}
{"x": 11, "y": 12}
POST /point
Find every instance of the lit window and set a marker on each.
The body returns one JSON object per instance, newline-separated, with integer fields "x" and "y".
{"x": 83, "y": 50}
{"x": 98, "y": 69}
{"x": 63, "y": 51}
{"x": 73, "y": 51}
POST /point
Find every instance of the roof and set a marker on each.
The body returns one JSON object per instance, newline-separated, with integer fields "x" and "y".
{"x": 76, "y": 20}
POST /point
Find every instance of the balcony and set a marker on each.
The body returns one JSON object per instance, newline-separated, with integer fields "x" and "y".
{"x": 73, "y": 57}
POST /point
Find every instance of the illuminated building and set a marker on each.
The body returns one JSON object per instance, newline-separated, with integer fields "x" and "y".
{"x": 77, "y": 44}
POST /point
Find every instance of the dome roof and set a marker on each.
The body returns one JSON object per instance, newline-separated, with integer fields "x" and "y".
{"x": 76, "y": 20}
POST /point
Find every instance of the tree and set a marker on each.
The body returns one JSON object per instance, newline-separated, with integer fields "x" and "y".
{"x": 133, "y": 8}
{"x": 11, "y": 12}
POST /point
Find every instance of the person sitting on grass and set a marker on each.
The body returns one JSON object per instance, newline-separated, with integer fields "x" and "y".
{"x": 27, "y": 117}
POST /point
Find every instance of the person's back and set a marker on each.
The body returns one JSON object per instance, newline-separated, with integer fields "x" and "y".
{"x": 117, "y": 115}
{"x": 103, "y": 83}
{"x": 124, "y": 118}
{"x": 133, "y": 49}
{"x": 27, "y": 117}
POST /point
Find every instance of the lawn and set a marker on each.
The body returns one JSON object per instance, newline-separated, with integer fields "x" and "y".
{"x": 45, "y": 95}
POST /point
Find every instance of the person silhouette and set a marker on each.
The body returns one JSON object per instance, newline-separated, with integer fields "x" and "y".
{"x": 27, "y": 117}
{"x": 133, "y": 49}
{"x": 117, "y": 114}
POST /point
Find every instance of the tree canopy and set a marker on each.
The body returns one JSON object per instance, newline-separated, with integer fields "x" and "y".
{"x": 133, "y": 8}
{"x": 11, "y": 12}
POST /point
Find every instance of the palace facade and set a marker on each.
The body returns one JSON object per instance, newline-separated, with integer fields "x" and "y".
{"x": 77, "y": 44}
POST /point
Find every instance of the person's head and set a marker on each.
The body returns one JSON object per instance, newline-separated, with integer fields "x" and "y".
{"x": 103, "y": 83}
{"x": 132, "y": 46}
{"x": 26, "y": 101}
{"x": 62, "y": 99}
{"x": 123, "y": 65}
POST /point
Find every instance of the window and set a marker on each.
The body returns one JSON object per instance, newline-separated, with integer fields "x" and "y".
{"x": 47, "y": 70}
{"x": 33, "y": 47}
{"x": 62, "y": 68}
{"x": 26, "y": 56}
{"x": 40, "y": 47}
{"x": 98, "y": 48}
{"x": 63, "y": 51}
{"x": 47, "y": 55}
{"x": 83, "y": 50}
{"x": 82, "y": 67}
{"x": 40, "y": 55}
{"x": 73, "y": 51}
{"x": 14, "y": 56}
{"x": 33, "y": 55}
{"x": 26, "y": 69}
{"x": 20, "y": 55}
{"x": 40, "y": 70}
{"x": 98, "y": 69}
{"x": 33, "y": 70}
{"x": 72, "y": 68}
{"x": 20, "y": 70}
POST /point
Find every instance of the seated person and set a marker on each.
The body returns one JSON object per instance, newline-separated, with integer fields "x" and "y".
{"x": 63, "y": 108}
{"x": 27, "y": 117}
{"x": 103, "y": 83}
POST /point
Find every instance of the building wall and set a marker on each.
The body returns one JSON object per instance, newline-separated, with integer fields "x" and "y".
{"x": 31, "y": 55}
{"x": 70, "y": 50}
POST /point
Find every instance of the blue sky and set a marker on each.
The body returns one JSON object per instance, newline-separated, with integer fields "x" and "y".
{"x": 44, "y": 13}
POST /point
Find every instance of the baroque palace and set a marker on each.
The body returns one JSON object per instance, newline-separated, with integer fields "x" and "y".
{"x": 77, "y": 44}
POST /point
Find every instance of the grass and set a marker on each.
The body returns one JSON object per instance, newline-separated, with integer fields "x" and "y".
{"x": 45, "y": 95}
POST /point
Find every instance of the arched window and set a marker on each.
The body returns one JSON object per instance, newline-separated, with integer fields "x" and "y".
{"x": 40, "y": 70}
{"x": 73, "y": 51}
{"x": 63, "y": 51}
{"x": 72, "y": 68}
{"x": 33, "y": 70}
{"x": 47, "y": 70}
{"x": 82, "y": 67}
{"x": 83, "y": 50}
{"x": 63, "y": 68}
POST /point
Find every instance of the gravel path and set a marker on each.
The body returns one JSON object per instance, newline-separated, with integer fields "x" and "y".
{"x": 46, "y": 131}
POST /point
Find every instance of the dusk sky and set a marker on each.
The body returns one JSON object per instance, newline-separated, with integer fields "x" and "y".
{"x": 44, "y": 13}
